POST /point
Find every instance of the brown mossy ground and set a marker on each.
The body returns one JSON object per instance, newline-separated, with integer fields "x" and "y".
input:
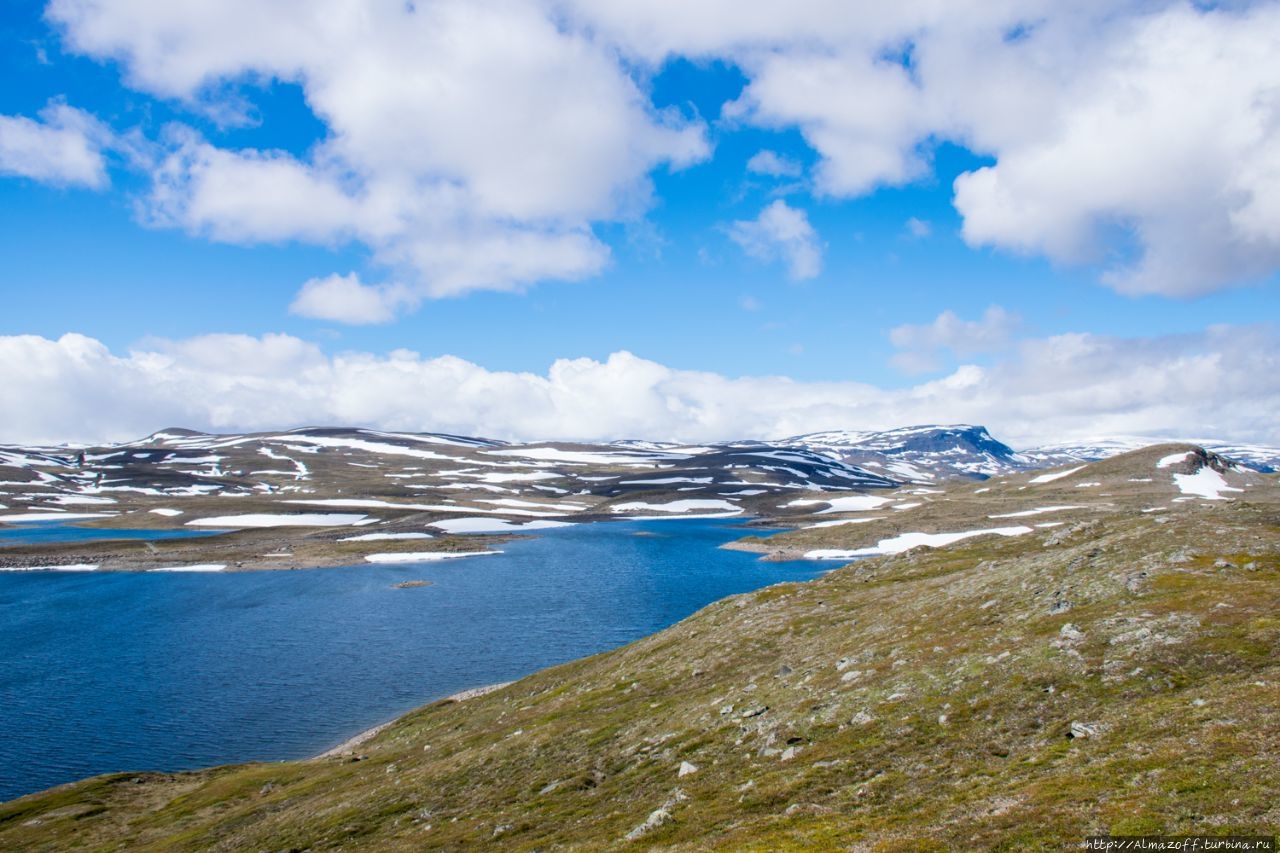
{"x": 916, "y": 702}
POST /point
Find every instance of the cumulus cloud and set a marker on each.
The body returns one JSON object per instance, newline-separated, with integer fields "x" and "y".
{"x": 1159, "y": 162}
{"x": 345, "y": 299}
{"x": 1136, "y": 137}
{"x": 918, "y": 228}
{"x": 65, "y": 147}
{"x": 781, "y": 231}
{"x": 920, "y": 346}
{"x": 1223, "y": 382}
{"x": 772, "y": 163}
{"x": 862, "y": 115}
{"x": 471, "y": 144}
{"x": 254, "y": 196}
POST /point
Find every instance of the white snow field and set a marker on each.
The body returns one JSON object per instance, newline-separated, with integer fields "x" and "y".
{"x": 426, "y": 556}
{"x": 907, "y": 541}
{"x": 315, "y": 519}
{"x": 677, "y": 506}
{"x": 1205, "y": 483}
{"x": 1057, "y": 475}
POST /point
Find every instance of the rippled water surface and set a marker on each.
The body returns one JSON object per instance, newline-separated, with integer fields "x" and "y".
{"x": 103, "y": 672}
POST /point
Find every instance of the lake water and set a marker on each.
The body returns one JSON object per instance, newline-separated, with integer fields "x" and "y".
{"x": 53, "y": 531}
{"x": 103, "y": 672}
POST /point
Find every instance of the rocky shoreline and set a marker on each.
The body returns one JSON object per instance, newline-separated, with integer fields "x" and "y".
{"x": 348, "y": 746}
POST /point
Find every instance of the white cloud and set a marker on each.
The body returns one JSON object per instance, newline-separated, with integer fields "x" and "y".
{"x": 1137, "y": 137}
{"x": 864, "y": 116}
{"x": 255, "y": 196}
{"x": 918, "y": 228}
{"x": 781, "y": 231}
{"x": 471, "y": 144}
{"x": 657, "y": 29}
{"x": 65, "y": 147}
{"x": 921, "y": 345}
{"x": 475, "y": 144}
{"x": 1223, "y": 382}
{"x": 1168, "y": 138}
{"x": 772, "y": 163}
{"x": 345, "y": 299}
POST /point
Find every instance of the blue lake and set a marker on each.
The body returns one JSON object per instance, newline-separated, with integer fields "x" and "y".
{"x": 103, "y": 672}
{"x": 54, "y": 531}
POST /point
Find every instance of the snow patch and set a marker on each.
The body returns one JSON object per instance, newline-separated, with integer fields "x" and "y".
{"x": 52, "y": 516}
{"x": 1205, "y": 483}
{"x": 555, "y": 454}
{"x": 318, "y": 441}
{"x": 69, "y": 500}
{"x": 1037, "y": 511}
{"x": 1174, "y": 459}
{"x": 493, "y": 525}
{"x": 516, "y": 502}
{"x": 357, "y": 503}
{"x": 315, "y": 519}
{"x": 195, "y": 567}
{"x": 1049, "y": 478}
{"x": 425, "y": 556}
{"x": 519, "y": 476}
{"x": 907, "y": 541}
{"x": 533, "y": 513}
{"x": 302, "y": 470}
{"x": 840, "y": 521}
{"x": 676, "y": 506}
{"x": 70, "y": 567}
{"x": 853, "y": 503}
{"x": 665, "y": 481}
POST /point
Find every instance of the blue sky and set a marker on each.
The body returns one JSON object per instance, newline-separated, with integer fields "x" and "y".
{"x": 545, "y": 219}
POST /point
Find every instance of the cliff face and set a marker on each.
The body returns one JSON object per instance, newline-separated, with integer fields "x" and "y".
{"x": 1116, "y": 672}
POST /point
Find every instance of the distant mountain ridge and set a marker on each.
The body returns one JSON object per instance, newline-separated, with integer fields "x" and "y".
{"x": 919, "y": 454}
{"x": 444, "y": 473}
{"x": 1258, "y": 457}
{"x": 930, "y": 453}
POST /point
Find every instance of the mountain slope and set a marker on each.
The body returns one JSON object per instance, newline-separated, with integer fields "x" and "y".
{"x": 1265, "y": 460}
{"x": 1118, "y": 673}
{"x": 920, "y": 454}
{"x": 1156, "y": 481}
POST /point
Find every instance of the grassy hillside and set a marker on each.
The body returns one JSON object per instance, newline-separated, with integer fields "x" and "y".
{"x": 1119, "y": 673}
